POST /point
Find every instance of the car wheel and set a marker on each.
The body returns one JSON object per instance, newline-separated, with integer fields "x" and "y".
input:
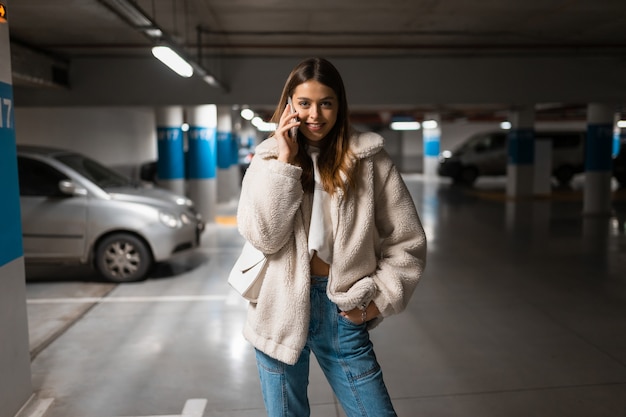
{"x": 122, "y": 257}
{"x": 467, "y": 176}
{"x": 564, "y": 175}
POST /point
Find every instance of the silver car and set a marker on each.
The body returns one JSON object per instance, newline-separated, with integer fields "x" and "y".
{"x": 75, "y": 210}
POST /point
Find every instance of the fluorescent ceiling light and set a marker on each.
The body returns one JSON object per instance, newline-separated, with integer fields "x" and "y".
{"x": 430, "y": 124}
{"x": 267, "y": 127}
{"x": 247, "y": 114}
{"x": 153, "y": 32}
{"x": 505, "y": 125}
{"x": 621, "y": 124}
{"x": 263, "y": 126}
{"x": 405, "y": 125}
{"x": 170, "y": 58}
{"x": 205, "y": 75}
{"x": 130, "y": 11}
{"x": 210, "y": 80}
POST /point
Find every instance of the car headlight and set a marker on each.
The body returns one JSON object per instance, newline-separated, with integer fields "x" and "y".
{"x": 170, "y": 220}
{"x": 183, "y": 201}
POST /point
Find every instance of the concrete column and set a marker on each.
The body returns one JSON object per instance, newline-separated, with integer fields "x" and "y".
{"x": 239, "y": 142}
{"x": 202, "y": 159}
{"x": 248, "y": 141}
{"x": 15, "y": 379}
{"x": 542, "y": 173}
{"x": 521, "y": 153}
{"x": 432, "y": 138}
{"x": 598, "y": 159}
{"x": 227, "y": 163}
{"x": 408, "y": 152}
{"x": 171, "y": 149}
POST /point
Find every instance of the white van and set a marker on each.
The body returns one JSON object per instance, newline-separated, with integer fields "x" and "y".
{"x": 485, "y": 154}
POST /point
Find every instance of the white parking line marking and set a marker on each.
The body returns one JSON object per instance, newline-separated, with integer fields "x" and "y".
{"x": 153, "y": 299}
{"x": 194, "y": 407}
{"x": 41, "y": 408}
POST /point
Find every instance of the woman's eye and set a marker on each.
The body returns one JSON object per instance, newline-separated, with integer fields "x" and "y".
{"x": 327, "y": 104}
{"x": 303, "y": 104}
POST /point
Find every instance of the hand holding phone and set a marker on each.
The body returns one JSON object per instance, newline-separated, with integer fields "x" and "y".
{"x": 293, "y": 132}
{"x": 287, "y": 133}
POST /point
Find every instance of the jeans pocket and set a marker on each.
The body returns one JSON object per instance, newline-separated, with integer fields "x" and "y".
{"x": 356, "y": 349}
{"x": 346, "y": 321}
{"x": 268, "y": 364}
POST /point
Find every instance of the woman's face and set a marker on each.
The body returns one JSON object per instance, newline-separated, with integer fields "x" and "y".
{"x": 317, "y": 106}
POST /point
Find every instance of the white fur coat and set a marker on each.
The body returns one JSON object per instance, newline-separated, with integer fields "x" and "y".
{"x": 379, "y": 250}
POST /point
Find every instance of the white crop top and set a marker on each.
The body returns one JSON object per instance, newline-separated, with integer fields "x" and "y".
{"x": 321, "y": 231}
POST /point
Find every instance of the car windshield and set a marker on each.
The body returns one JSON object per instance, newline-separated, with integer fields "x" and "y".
{"x": 99, "y": 174}
{"x": 470, "y": 143}
{"x": 483, "y": 142}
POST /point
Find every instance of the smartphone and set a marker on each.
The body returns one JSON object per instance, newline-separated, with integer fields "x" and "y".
{"x": 293, "y": 132}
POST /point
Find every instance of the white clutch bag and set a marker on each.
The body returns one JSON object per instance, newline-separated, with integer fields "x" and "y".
{"x": 247, "y": 274}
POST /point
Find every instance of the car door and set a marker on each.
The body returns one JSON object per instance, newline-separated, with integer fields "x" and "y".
{"x": 489, "y": 152}
{"x": 53, "y": 223}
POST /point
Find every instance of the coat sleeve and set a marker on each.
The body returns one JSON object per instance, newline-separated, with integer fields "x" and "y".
{"x": 403, "y": 241}
{"x": 271, "y": 194}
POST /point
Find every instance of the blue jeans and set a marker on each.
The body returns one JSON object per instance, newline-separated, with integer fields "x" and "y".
{"x": 346, "y": 355}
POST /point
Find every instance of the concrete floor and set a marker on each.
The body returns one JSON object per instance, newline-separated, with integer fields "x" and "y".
{"x": 521, "y": 312}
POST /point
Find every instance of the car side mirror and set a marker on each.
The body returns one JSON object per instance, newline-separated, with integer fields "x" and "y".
{"x": 69, "y": 188}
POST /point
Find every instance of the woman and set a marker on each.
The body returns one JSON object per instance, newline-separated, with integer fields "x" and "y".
{"x": 344, "y": 242}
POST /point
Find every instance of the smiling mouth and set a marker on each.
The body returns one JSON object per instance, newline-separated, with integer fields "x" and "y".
{"x": 315, "y": 126}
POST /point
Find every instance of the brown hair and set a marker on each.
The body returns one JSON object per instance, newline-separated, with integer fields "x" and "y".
{"x": 336, "y": 162}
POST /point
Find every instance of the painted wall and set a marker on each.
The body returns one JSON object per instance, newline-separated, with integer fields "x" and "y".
{"x": 390, "y": 81}
{"x": 120, "y": 137}
{"x": 15, "y": 377}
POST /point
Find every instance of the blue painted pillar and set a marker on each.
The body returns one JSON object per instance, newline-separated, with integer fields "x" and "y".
{"x": 202, "y": 159}
{"x": 432, "y": 138}
{"x": 171, "y": 149}
{"x": 521, "y": 152}
{"x": 15, "y": 381}
{"x": 619, "y": 141}
{"x": 235, "y": 143}
{"x": 227, "y": 173}
{"x": 618, "y": 136}
{"x": 598, "y": 159}
{"x": 248, "y": 140}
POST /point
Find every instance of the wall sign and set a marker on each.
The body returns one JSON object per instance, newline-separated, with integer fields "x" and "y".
{"x": 3, "y": 13}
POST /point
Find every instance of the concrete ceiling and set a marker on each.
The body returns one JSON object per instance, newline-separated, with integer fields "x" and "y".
{"x": 63, "y": 30}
